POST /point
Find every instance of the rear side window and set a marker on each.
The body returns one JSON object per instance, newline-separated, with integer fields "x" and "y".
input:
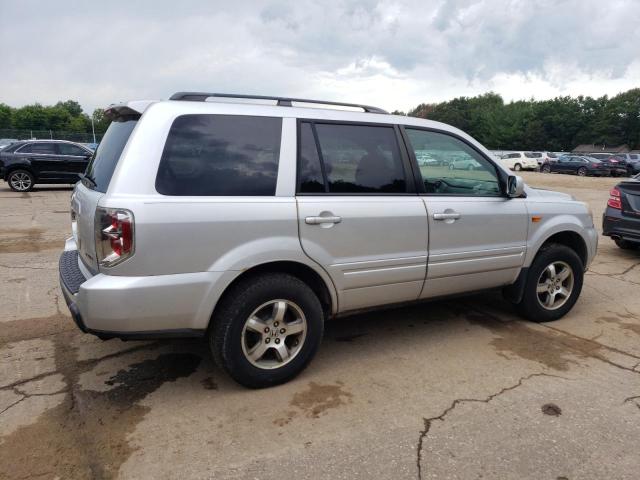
{"x": 105, "y": 158}
{"x": 351, "y": 159}
{"x": 227, "y": 155}
{"x": 39, "y": 148}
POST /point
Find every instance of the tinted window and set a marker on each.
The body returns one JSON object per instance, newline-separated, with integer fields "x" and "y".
{"x": 39, "y": 148}
{"x": 361, "y": 159}
{"x": 220, "y": 155}
{"x": 458, "y": 170}
{"x": 310, "y": 178}
{"x": 105, "y": 158}
{"x": 70, "y": 149}
{"x": 533, "y": 154}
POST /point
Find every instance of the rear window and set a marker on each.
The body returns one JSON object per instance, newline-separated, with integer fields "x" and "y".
{"x": 105, "y": 158}
{"x": 227, "y": 155}
{"x": 533, "y": 155}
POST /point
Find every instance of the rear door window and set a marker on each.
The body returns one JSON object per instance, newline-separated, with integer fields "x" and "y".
{"x": 352, "y": 159}
{"x": 40, "y": 148}
{"x": 226, "y": 155}
{"x": 105, "y": 158}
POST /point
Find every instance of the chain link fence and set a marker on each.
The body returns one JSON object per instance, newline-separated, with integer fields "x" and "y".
{"x": 49, "y": 134}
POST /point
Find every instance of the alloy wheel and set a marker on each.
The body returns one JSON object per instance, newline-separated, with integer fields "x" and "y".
{"x": 20, "y": 181}
{"x": 274, "y": 334}
{"x": 555, "y": 285}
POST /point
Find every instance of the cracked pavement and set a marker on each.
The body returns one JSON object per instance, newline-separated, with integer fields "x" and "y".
{"x": 459, "y": 389}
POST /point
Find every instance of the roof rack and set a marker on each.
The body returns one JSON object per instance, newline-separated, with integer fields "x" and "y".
{"x": 282, "y": 101}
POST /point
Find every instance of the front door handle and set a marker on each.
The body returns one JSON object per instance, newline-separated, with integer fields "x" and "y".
{"x": 321, "y": 220}
{"x": 446, "y": 216}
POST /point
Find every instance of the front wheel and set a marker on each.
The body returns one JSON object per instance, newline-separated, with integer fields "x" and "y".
{"x": 582, "y": 172}
{"x": 266, "y": 330}
{"x": 546, "y": 169}
{"x": 553, "y": 284}
{"x": 21, "y": 181}
{"x": 517, "y": 167}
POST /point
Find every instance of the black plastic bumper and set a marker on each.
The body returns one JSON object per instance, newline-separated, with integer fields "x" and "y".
{"x": 617, "y": 225}
{"x": 71, "y": 277}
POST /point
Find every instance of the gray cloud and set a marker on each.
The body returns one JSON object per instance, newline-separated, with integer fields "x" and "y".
{"x": 392, "y": 53}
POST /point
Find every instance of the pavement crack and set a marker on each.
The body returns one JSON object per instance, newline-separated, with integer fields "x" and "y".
{"x": 627, "y": 270}
{"x": 429, "y": 421}
{"x": 12, "y": 405}
{"x": 632, "y": 399}
{"x": 23, "y": 267}
{"x": 601, "y": 345}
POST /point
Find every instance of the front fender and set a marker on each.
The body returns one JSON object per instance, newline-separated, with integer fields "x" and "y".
{"x": 548, "y": 227}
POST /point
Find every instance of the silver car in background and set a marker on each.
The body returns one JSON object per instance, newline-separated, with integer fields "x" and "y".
{"x": 252, "y": 224}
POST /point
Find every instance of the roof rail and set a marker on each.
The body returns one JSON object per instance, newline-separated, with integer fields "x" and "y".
{"x": 282, "y": 101}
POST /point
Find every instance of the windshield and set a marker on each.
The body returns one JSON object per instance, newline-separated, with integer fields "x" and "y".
{"x": 105, "y": 158}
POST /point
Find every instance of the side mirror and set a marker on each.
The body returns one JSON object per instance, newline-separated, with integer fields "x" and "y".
{"x": 515, "y": 186}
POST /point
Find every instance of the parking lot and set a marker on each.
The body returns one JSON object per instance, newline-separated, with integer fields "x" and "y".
{"x": 459, "y": 388}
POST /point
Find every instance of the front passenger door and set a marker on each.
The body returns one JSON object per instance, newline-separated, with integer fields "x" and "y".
{"x": 76, "y": 159}
{"x": 477, "y": 235}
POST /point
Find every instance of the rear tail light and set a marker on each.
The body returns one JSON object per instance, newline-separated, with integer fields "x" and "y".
{"x": 614, "y": 199}
{"x": 115, "y": 241}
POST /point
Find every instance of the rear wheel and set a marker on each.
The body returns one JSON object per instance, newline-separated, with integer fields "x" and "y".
{"x": 21, "y": 180}
{"x": 582, "y": 171}
{"x": 266, "y": 330}
{"x": 517, "y": 167}
{"x": 626, "y": 245}
{"x": 553, "y": 285}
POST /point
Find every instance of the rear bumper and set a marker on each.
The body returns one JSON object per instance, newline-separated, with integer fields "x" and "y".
{"x": 111, "y": 306}
{"x": 615, "y": 224}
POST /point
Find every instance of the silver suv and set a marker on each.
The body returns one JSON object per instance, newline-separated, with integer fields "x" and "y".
{"x": 251, "y": 221}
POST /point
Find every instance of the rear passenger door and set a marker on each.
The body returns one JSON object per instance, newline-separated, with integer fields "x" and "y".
{"x": 359, "y": 215}
{"x": 477, "y": 235}
{"x": 44, "y": 160}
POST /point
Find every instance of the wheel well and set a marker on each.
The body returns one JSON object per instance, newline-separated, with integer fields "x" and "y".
{"x": 572, "y": 240}
{"x": 299, "y": 270}
{"x": 13, "y": 168}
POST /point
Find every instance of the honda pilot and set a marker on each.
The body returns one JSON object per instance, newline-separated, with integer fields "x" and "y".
{"x": 252, "y": 221}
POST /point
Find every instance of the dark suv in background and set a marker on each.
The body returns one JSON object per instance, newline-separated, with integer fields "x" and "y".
{"x": 621, "y": 219}
{"x": 26, "y": 163}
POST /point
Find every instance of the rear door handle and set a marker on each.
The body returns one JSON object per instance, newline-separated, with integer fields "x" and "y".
{"x": 321, "y": 220}
{"x": 446, "y": 216}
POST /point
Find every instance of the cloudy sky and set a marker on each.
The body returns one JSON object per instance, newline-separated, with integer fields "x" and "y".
{"x": 394, "y": 54}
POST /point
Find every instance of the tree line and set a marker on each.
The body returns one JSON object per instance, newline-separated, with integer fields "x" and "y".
{"x": 62, "y": 117}
{"x": 559, "y": 124}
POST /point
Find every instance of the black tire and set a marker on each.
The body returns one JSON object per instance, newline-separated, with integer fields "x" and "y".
{"x": 517, "y": 167}
{"x": 582, "y": 172}
{"x": 21, "y": 180}
{"x": 225, "y": 335}
{"x": 530, "y": 305}
{"x": 546, "y": 169}
{"x": 626, "y": 245}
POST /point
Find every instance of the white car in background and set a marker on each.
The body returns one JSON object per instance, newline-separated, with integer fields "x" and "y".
{"x": 521, "y": 160}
